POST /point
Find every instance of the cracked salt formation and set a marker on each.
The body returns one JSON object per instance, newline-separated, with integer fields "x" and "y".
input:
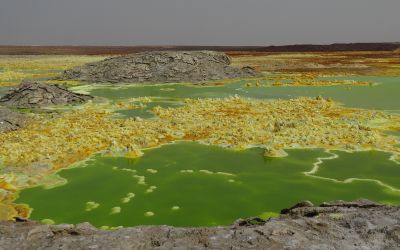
{"x": 276, "y": 124}
{"x": 160, "y": 67}
{"x": 37, "y": 95}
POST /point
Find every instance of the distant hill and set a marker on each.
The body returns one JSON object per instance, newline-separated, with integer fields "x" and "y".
{"x": 114, "y": 50}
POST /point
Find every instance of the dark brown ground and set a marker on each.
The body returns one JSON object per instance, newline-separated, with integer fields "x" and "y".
{"x": 115, "y": 50}
{"x": 335, "y": 225}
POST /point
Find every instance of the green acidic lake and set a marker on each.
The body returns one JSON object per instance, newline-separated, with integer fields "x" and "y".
{"x": 190, "y": 184}
{"x": 383, "y": 95}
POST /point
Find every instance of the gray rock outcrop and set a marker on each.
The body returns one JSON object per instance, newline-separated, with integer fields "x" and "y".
{"x": 10, "y": 120}
{"x": 35, "y": 95}
{"x": 160, "y": 67}
{"x": 335, "y": 225}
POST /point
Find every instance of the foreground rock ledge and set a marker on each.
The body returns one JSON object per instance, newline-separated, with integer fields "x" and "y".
{"x": 334, "y": 225}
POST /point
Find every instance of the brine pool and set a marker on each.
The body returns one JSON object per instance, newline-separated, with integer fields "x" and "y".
{"x": 191, "y": 184}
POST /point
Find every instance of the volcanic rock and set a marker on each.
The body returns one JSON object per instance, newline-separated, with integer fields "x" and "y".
{"x": 34, "y": 95}
{"x": 161, "y": 67}
{"x": 300, "y": 204}
{"x": 10, "y": 120}
{"x": 341, "y": 225}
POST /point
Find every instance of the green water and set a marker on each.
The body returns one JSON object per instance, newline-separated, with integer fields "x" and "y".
{"x": 382, "y": 96}
{"x": 145, "y": 112}
{"x": 188, "y": 194}
{"x": 370, "y": 165}
{"x": 249, "y": 185}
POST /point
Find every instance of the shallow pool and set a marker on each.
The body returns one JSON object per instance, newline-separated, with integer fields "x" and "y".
{"x": 190, "y": 184}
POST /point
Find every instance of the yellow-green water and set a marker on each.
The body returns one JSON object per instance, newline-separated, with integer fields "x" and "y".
{"x": 189, "y": 184}
{"x": 187, "y": 189}
{"x": 384, "y": 95}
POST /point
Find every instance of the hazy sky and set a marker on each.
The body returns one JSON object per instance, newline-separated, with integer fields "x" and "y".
{"x": 197, "y": 22}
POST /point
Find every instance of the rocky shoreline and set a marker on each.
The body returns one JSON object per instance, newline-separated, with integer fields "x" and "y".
{"x": 360, "y": 224}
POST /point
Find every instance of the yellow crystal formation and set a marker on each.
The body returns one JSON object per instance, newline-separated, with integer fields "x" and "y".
{"x": 71, "y": 136}
{"x": 278, "y": 124}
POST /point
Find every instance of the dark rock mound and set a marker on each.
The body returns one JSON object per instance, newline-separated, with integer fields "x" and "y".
{"x": 160, "y": 66}
{"x": 10, "y": 120}
{"x": 34, "y": 95}
{"x": 339, "y": 225}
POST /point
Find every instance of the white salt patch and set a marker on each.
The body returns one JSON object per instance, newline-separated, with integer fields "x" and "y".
{"x": 205, "y": 171}
{"x": 152, "y": 171}
{"x": 187, "y": 171}
{"x": 149, "y": 214}
{"x": 115, "y": 210}
{"x": 90, "y": 205}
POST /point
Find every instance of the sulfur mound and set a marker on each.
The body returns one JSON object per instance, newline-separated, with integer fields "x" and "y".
{"x": 10, "y": 120}
{"x": 160, "y": 66}
{"x": 34, "y": 95}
